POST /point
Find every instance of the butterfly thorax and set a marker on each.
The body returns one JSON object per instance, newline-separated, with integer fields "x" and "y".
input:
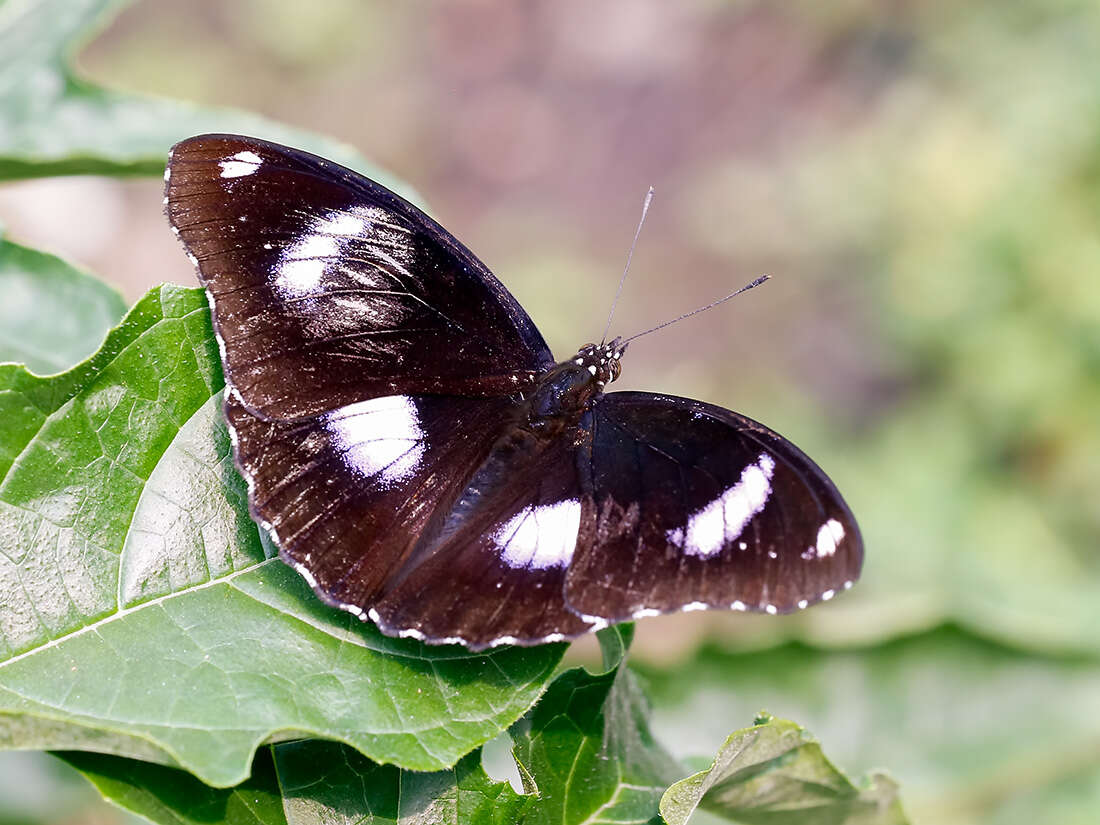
{"x": 569, "y": 388}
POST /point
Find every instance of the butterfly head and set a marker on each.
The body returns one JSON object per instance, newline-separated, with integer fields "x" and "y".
{"x": 570, "y": 387}
{"x": 602, "y": 361}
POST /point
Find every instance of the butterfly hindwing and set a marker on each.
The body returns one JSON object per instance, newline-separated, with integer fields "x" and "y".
{"x": 699, "y": 507}
{"x": 328, "y": 289}
{"x": 493, "y": 570}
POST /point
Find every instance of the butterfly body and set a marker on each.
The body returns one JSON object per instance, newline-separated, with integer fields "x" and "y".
{"x": 420, "y": 457}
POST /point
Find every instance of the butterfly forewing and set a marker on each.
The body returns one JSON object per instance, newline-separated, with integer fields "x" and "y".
{"x": 328, "y": 289}
{"x": 698, "y": 507}
{"x": 347, "y": 494}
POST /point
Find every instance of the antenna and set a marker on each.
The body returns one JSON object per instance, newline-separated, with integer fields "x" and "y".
{"x": 645, "y": 208}
{"x": 711, "y": 305}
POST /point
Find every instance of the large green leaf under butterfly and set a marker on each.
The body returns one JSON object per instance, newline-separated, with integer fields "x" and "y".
{"x": 140, "y": 611}
{"x": 586, "y": 757}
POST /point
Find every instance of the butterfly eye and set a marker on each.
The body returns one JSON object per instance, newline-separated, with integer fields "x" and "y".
{"x": 614, "y": 367}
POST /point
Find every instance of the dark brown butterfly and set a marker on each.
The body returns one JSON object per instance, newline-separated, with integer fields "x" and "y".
{"x": 417, "y": 454}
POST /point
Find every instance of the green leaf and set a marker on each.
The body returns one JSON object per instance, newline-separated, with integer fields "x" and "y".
{"x": 774, "y": 772}
{"x": 967, "y": 726}
{"x": 36, "y": 789}
{"x": 142, "y": 615}
{"x": 321, "y": 780}
{"x": 53, "y": 122}
{"x": 174, "y": 797}
{"x": 586, "y": 750}
{"x": 585, "y": 755}
{"x": 308, "y": 782}
{"x": 53, "y": 315}
{"x": 614, "y": 644}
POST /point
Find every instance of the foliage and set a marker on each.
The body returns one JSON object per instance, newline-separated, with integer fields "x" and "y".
{"x": 145, "y": 630}
{"x": 57, "y": 123}
{"x": 37, "y": 286}
{"x": 145, "y": 620}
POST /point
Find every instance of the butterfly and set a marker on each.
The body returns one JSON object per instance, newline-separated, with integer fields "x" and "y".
{"x": 419, "y": 456}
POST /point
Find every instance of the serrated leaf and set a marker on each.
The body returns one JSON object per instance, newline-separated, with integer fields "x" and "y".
{"x": 53, "y": 122}
{"x": 53, "y": 315}
{"x": 587, "y": 751}
{"x": 140, "y": 612}
{"x": 775, "y": 773}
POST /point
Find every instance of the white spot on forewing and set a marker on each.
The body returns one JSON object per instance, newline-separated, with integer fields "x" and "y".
{"x": 710, "y": 528}
{"x": 303, "y": 265}
{"x": 540, "y": 536}
{"x": 300, "y": 277}
{"x": 829, "y": 538}
{"x": 314, "y": 246}
{"x": 340, "y": 223}
{"x": 380, "y": 438}
{"x": 240, "y": 164}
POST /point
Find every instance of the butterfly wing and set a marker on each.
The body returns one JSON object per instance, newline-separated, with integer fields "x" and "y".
{"x": 699, "y": 507}
{"x": 346, "y": 495}
{"x": 414, "y": 511}
{"x": 328, "y": 289}
{"x": 374, "y": 372}
{"x": 493, "y": 570}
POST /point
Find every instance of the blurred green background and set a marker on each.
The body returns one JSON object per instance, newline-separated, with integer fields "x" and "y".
{"x": 922, "y": 181}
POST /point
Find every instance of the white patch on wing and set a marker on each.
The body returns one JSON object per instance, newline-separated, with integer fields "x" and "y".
{"x": 314, "y": 246}
{"x": 709, "y": 529}
{"x": 829, "y": 538}
{"x": 299, "y": 277}
{"x": 240, "y": 164}
{"x": 540, "y": 536}
{"x": 359, "y": 232}
{"x": 303, "y": 265}
{"x": 340, "y": 223}
{"x": 378, "y": 438}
